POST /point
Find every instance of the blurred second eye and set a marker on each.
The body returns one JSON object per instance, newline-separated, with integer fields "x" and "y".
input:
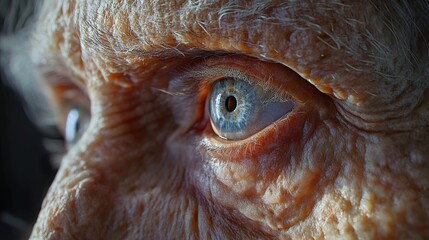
{"x": 76, "y": 124}
{"x": 239, "y": 109}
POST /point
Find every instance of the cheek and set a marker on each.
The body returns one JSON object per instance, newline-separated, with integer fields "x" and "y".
{"x": 275, "y": 181}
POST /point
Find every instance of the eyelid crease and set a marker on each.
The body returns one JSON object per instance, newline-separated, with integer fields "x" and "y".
{"x": 199, "y": 79}
{"x": 54, "y": 78}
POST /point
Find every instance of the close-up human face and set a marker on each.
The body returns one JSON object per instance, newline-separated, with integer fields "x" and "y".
{"x": 236, "y": 119}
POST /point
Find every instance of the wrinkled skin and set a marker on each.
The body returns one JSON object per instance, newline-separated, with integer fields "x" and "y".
{"x": 350, "y": 161}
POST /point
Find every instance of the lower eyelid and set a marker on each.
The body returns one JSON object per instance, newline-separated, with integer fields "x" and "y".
{"x": 286, "y": 130}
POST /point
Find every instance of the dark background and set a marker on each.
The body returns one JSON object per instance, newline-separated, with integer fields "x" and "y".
{"x": 25, "y": 170}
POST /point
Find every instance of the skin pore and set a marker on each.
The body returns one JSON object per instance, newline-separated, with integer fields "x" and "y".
{"x": 349, "y": 161}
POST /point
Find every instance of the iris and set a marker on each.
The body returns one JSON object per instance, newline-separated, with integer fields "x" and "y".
{"x": 239, "y": 109}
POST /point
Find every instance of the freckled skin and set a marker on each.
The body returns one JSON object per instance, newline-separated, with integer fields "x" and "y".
{"x": 350, "y": 161}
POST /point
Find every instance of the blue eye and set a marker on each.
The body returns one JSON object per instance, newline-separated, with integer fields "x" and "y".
{"x": 239, "y": 109}
{"x": 76, "y": 124}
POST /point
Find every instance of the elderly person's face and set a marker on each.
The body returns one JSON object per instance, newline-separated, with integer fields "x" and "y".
{"x": 243, "y": 120}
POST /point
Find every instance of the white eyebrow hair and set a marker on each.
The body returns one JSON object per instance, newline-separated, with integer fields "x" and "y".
{"x": 100, "y": 41}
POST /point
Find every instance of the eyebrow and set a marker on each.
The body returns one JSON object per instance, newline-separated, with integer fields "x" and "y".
{"x": 99, "y": 41}
{"x": 169, "y": 42}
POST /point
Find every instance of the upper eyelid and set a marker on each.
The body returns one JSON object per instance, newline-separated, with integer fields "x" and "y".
{"x": 197, "y": 80}
{"x": 58, "y": 77}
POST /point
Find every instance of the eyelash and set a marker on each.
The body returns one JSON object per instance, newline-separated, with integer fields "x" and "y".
{"x": 201, "y": 80}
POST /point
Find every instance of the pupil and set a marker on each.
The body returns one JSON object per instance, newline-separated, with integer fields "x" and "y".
{"x": 230, "y": 103}
{"x": 77, "y": 126}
